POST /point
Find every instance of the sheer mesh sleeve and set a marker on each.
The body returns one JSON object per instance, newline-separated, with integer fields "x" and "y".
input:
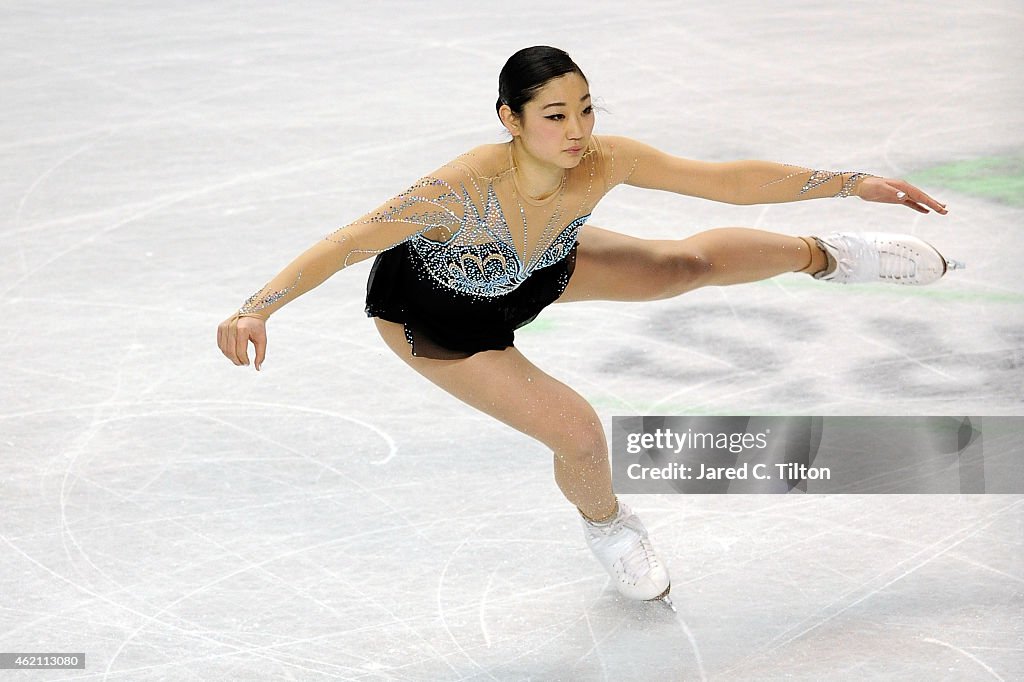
{"x": 616, "y": 162}
{"x": 735, "y": 182}
{"x": 776, "y": 183}
{"x": 431, "y": 207}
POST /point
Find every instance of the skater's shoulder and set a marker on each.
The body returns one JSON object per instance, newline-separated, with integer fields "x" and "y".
{"x": 486, "y": 160}
{"x": 613, "y": 145}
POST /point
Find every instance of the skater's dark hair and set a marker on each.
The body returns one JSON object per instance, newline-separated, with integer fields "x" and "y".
{"x": 527, "y": 71}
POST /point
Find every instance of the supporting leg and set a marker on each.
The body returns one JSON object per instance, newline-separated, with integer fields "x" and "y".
{"x": 507, "y": 386}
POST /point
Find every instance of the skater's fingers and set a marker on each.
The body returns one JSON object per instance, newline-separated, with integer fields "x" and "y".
{"x": 254, "y": 329}
{"x": 221, "y": 333}
{"x": 931, "y": 203}
{"x": 913, "y": 202}
{"x": 916, "y": 199}
{"x": 226, "y": 335}
{"x": 242, "y": 346}
{"x": 259, "y": 339}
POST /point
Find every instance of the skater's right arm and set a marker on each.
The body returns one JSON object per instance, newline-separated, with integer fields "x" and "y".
{"x": 431, "y": 207}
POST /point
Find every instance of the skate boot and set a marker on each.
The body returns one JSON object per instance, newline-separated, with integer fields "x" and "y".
{"x": 880, "y": 257}
{"x": 622, "y": 547}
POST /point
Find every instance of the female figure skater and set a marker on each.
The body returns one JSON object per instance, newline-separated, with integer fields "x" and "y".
{"x": 477, "y": 248}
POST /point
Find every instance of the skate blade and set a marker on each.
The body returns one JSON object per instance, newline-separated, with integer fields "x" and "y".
{"x": 663, "y": 597}
{"x": 955, "y": 264}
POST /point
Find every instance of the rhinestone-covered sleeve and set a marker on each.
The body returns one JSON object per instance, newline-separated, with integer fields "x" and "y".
{"x": 805, "y": 183}
{"x": 429, "y": 206}
{"x": 308, "y": 270}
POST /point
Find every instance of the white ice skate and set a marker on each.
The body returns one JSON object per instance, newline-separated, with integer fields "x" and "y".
{"x": 622, "y": 547}
{"x": 877, "y": 256}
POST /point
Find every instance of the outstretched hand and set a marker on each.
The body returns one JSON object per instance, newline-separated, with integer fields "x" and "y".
{"x": 234, "y": 335}
{"x": 890, "y": 191}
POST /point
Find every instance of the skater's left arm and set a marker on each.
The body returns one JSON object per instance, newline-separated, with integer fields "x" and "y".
{"x": 755, "y": 182}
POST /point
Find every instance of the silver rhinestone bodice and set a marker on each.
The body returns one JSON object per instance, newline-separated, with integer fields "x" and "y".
{"x": 480, "y": 258}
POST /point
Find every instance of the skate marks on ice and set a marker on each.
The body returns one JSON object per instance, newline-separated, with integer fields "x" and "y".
{"x": 245, "y": 538}
{"x": 126, "y": 524}
{"x": 732, "y": 353}
{"x": 521, "y": 597}
{"x": 821, "y": 583}
{"x": 887, "y": 618}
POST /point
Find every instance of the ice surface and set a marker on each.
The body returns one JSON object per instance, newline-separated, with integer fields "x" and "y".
{"x": 336, "y": 516}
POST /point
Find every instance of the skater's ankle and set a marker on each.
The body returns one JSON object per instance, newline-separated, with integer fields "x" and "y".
{"x": 601, "y": 518}
{"x": 821, "y": 261}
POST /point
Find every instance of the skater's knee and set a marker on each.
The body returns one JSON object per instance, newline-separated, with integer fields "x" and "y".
{"x": 683, "y": 269}
{"x": 583, "y": 445}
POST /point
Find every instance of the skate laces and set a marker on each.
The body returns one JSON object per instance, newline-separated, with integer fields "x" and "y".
{"x": 640, "y": 561}
{"x": 627, "y": 536}
{"x": 896, "y": 261}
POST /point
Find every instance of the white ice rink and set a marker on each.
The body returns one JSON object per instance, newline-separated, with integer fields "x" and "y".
{"x": 175, "y": 517}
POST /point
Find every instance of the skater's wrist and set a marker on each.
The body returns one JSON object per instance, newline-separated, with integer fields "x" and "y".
{"x": 852, "y": 184}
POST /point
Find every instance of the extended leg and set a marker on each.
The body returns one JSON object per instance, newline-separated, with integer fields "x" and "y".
{"x": 617, "y": 267}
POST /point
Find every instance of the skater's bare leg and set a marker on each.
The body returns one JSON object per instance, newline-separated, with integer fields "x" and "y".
{"x": 507, "y": 386}
{"x": 616, "y": 267}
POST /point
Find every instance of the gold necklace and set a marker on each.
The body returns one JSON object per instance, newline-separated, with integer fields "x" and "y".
{"x": 528, "y": 257}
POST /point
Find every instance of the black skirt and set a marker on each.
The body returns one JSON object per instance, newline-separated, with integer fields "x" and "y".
{"x": 446, "y": 324}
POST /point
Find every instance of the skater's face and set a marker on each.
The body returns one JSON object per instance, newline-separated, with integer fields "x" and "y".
{"x": 555, "y": 126}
